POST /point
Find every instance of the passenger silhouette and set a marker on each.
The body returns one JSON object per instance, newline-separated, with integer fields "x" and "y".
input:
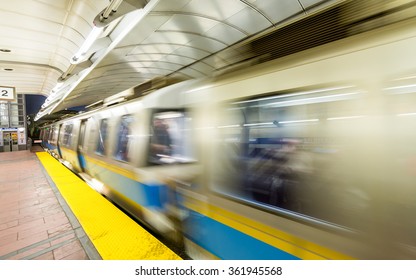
{"x": 161, "y": 140}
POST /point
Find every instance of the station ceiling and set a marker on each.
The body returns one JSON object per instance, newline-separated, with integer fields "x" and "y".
{"x": 136, "y": 43}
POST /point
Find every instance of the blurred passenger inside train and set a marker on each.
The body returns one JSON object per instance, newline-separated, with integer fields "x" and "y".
{"x": 161, "y": 141}
{"x": 123, "y": 138}
{"x": 276, "y": 175}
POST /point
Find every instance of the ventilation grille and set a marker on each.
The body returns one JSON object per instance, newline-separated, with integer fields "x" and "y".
{"x": 346, "y": 19}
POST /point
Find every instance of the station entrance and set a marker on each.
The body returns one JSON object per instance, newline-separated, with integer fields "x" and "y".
{"x": 10, "y": 141}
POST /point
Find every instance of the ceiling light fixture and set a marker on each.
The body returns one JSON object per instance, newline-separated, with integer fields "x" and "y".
{"x": 112, "y": 8}
{"x": 91, "y": 38}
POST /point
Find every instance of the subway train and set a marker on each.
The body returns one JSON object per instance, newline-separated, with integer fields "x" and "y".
{"x": 308, "y": 156}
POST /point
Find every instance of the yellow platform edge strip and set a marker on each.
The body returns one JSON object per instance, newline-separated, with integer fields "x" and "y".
{"x": 113, "y": 233}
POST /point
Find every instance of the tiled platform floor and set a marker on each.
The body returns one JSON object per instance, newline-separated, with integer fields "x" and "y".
{"x": 35, "y": 222}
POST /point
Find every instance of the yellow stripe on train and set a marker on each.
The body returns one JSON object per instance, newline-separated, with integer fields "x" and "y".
{"x": 111, "y": 167}
{"x": 274, "y": 237}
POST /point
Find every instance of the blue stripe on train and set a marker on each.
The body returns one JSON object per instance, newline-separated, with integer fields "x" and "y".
{"x": 49, "y": 146}
{"x": 151, "y": 196}
{"x": 81, "y": 160}
{"x": 228, "y": 243}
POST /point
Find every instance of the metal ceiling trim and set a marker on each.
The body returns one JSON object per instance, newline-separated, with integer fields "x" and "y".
{"x": 193, "y": 34}
{"x": 172, "y": 13}
{"x": 248, "y": 4}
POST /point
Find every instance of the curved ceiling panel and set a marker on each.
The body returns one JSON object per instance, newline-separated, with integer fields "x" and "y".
{"x": 277, "y": 13}
{"x": 140, "y": 42}
{"x": 182, "y": 38}
{"x": 42, "y": 35}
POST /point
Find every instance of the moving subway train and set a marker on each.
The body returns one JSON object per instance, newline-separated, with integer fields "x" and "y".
{"x": 310, "y": 156}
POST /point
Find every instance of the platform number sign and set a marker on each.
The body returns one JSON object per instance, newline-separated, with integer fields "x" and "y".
{"x": 7, "y": 93}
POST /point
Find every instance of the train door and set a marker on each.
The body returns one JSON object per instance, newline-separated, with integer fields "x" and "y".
{"x": 58, "y": 141}
{"x": 10, "y": 141}
{"x": 80, "y": 145}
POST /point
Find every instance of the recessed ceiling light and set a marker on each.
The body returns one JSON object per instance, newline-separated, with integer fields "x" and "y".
{"x": 5, "y": 50}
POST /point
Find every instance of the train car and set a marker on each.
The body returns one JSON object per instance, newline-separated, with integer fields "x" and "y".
{"x": 49, "y": 139}
{"x": 309, "y": 156}
{"x": 111, "y": 148}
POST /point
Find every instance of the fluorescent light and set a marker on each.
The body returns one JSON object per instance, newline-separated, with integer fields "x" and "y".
{"x": 406, "y": 114}
{"x": 320, "y": 99}
{"x": 229, "y": 126}
{"x": 406, "y": 78}
{"x": 405, "y": 86}
{"x": 298, "y": 121}
{"x": 57, "y": 86}
{"x": 95, "y": 32}
{"x": 294, "y": 94}
{"x": 169, "y": 115}
{"x": 112, "y": 8}
{"x": 344, "y": 118}
{"x": 258, "y": 124}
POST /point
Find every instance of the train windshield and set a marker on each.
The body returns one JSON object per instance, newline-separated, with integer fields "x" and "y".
{"x": 170, "y": 138}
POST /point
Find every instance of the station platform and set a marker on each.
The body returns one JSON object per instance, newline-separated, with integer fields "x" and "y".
{"x": 48, "y": 213}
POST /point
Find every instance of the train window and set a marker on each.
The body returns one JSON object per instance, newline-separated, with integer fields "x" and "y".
{"x": 123, "y": 138}
{"x": 67, "y": 135}
{"x": 54, "y": 135}
{"x": 170, "y": 138}
{"x": 51, "y": 134}
{"x": 102, "y": 136}
{"x": 292, "y": 152}
{"x": 45, "y": 134}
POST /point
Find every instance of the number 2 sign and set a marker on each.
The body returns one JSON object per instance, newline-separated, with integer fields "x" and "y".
{"x": 7, "y": 93}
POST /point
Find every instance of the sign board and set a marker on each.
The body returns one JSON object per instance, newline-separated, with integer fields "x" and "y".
{"x": 7, "y": 93}
{"x": 21, "y": 136}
